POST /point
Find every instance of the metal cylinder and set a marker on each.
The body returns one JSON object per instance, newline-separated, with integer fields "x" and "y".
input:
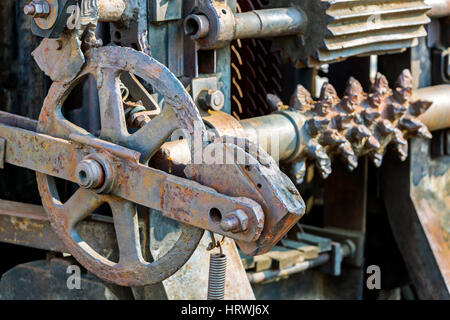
{"x": 279, "y": 134}
{"x": 269, "y": 23}
{"x": 439, "y": 8}
{"x": 218, "y": 27}
{"x": 276, "y": 133}
{"x": 111, "y": 10}
{"x": 438, "y": 115}
{"x": 196, "y": 26}
{"x": 217, "y": 273}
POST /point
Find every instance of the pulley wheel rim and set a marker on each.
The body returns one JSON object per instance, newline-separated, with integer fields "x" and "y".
{"x": 132, "y": 269}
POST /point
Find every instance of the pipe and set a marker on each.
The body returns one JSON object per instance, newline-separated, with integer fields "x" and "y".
{"x": 438, "y": 115}
{"x": 439, "y": 8}
{"x": 269, "y": 23}
{"x": 252, "y": 24}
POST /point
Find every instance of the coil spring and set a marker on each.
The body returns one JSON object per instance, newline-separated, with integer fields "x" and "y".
{"x": 216, "y": 280}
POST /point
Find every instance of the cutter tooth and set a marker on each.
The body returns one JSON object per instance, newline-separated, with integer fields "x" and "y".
{"x": 419, "y": 107}
{"x": 298, "y": 171}
{"x": 317, "y": 125}
{"x": 328, "y": 98}
{"x": 332, "y": 137}
{"x": 359, "y": 132}
{"x": 410, "y": 123}
{"x": 322, "y": 161}
{"x": 354, "y": 88}
{"x": 301, "y": 99}
{"x": 352, "y": 96}
{"x": 328, "y": 93}
{"x": 371, "y": 114}
{"x": 343, "y": 120}
{"x": 398, "y": 138}
{"x": 372, "y": 143}
{"x": 348, "y": 155}
{"x": 403, "y": 86}
{"x": 402, "y": 151}
{"x": 396, "y": 110}
{"x": 380, "y": 85}
{"x": 377, "y": 159}
{"x": 423, "y": 132}
{"x": 385, "y": 127}
{"x": 274, "y": 102}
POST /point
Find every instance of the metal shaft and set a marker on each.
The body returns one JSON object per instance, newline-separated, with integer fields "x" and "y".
{"x": 252, "y": 24}
{"x": 278, "y": 133}
{"x": 269, "y": 23}
{"x": 439, "y": 8}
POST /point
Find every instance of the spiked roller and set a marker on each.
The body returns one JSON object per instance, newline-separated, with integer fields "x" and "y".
{"x": 359, "y": 124}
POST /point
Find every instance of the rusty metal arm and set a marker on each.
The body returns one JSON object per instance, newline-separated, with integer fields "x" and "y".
{"x": 183, "y": 200}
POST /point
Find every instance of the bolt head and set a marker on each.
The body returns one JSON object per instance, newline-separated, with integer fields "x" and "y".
{"x": 29, "y": 9}
{"x": 235, "y": 221}
{"x": 37, "y": 9}
{"x": 211, "y": 99}
{"x": 89, "y": 174}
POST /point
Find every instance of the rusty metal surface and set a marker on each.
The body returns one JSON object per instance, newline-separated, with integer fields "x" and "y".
{"x": 29, "y": 225}
{"x": 260, "y": 179}
{"x": 359, "y": 124}
{"x": 417, "y": 202}
{"x": 177, "y": 198}
{"x": 430, "y": 193}
{"x": 438, "y": 115}
{"x": 341, "y": 29}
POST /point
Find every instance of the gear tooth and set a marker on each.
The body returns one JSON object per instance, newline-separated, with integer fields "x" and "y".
{"x": 353, "y": 87}
{"x": 322, "y": 161}
{"x": 332, "y": 137}
{"x": 398, "y": 138}
{"x": 396, "y": 110}
{"x": 419, "y": 107}
{"x": 328, "y": 93}
{"x": 403, "y": 87}
{"x": 274, "y": 102}
{"x": 372, "y": 143}
{"x": 298, "y": 170}
{"x": 410, "y": 123}
{"x": 404, "y": 80}
{"x": 359, "y": 132}
{"x": 402, "y": 151}
{"x": 377, "y": 159}
{"x": 370, "y": 114}
{"x": 301, "y": 99}
{"x": 385, "y": 127}
{"x": 423, "y": 132}
{"x": 317, "y": 125}
{"x": 380, "y": 85}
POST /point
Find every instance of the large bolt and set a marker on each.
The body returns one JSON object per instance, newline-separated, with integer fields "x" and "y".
{"x": 89, "y": 174}
{"x": 235, "y": 221}
{"x": 211, "y": 99}
{"x": 37, "y": 9}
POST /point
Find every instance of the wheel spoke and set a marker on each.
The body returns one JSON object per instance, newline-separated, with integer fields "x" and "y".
{"x": 80, "y": 205}
{"x": 127, "y": 232}
{"x": 113, "y": 125}
{"x": 151, "y": 137}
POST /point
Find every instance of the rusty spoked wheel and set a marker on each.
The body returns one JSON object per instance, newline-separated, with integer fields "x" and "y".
{"x": 106, "y": 64}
